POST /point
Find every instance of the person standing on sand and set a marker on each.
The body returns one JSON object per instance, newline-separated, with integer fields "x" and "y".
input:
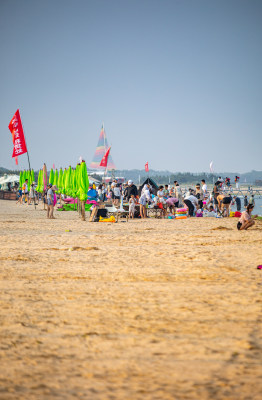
{"x": 238, "y": 203}
{"x": 132, "y": 206}
{"x": 216, "y": 193}
{"x": 145, "y": 196}
{"x": 204, "y": 188}
{"x": 32, "y": 193}
{"x": 246, "y": 221}
{"x": 50, "y": 202}
{"x": 178, "y": 192}
{"x": 130, "y": 189}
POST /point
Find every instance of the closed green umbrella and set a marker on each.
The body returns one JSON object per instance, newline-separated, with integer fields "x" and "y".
{"x": 51, "y": 177}
{"x": 68, "y": 182}
{"x": 83, "y": 182}
{"x": 32, "y": 176}
{"x": 40, "y": 180}
{"x": 44, "y": 177}
{"x": 29, "y": 179}
{"x": 60, "y": 180}
{"x": 56, "y": 178}
{"x": 38, "y": 188}
{"x": 64, "y": 180}
{"x": 83, "y": 187}
{"x": 74, "y": 185}
{"x": 21, "y": 179}
{"x": 24, "y": 176}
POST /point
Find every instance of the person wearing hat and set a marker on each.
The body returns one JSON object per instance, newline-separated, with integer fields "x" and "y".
{"x": 131, "y": 189}
{"x": 50, "y": 202}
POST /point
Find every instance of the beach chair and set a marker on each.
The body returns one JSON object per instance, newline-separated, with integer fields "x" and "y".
{"x": 117, "y": 213}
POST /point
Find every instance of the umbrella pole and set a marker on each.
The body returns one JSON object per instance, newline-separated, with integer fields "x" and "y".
{"x": 83, "y": 211}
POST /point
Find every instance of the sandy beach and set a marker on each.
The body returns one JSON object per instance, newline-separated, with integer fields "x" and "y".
{"x": 155, "y": 309}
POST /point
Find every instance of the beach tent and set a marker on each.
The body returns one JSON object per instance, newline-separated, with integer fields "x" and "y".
{"x": 151, "y": 183}
{"x": 9, "y": 178}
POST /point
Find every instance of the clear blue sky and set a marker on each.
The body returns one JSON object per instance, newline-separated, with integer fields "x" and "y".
{"x": 177, "y": 83}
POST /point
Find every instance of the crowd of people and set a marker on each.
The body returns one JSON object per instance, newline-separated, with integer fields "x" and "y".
{"x": 197, "y": 201}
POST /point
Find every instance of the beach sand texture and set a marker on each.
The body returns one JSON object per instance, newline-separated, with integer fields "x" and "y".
{"x": 155, "y": 309}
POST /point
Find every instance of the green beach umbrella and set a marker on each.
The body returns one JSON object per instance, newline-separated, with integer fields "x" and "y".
{"x": 40, "y": 186}
{"x": 21, "y": 179}
{"x": 51, "y": 177}
{"x": 76, "y": 184}
{"x": 39, "y": 181}
{"x": 68, "y": 182}
{"x": 56, "y": 178}
{"x": 24, "y": 176}
{"x": 83, "y": 182}
{"x": 29, "y": 179}
{"x": 44, "y": 177}
{"x": 32, "y": 175}
{"x": 64, "y": 180}
{"x": 60, "y": 180}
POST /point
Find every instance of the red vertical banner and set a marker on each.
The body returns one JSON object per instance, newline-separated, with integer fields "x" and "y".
{"x": 16, "y": 129}
{"x": 146, "y": 167}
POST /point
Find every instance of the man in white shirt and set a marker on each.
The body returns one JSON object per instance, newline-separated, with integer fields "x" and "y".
{"x": 204, "y": 187}
{"x": 191, "y": 202}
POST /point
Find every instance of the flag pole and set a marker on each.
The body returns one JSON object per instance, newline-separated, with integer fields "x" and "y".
{"x": 27, "y": 156}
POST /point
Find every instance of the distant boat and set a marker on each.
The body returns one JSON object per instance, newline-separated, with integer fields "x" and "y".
{"x": 101, "y": 149}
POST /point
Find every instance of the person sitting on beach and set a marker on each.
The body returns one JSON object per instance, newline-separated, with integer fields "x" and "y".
{"x": 132, "y": 206}
{"x": 246, "y": 221}
{"x": 210, "y": 212}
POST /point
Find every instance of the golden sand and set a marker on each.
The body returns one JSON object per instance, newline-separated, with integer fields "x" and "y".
{"x": 155, "y": 309}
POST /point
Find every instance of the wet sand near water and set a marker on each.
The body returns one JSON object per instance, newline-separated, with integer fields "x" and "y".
{"x": 155, "y": 309}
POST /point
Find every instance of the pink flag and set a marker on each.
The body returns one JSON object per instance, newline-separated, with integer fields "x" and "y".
{"x": 146, "y": 167}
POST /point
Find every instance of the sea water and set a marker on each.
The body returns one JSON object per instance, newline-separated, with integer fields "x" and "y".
{"x": 258, "y": 205}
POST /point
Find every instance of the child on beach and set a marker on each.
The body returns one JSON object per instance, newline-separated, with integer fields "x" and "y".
{"x": 132, "y": 204}
{"x": 246, "y": 221}
{"x": 20, "y": 195}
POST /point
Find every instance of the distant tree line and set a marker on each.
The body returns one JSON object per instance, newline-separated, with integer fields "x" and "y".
{"x": 182, "y": 178}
